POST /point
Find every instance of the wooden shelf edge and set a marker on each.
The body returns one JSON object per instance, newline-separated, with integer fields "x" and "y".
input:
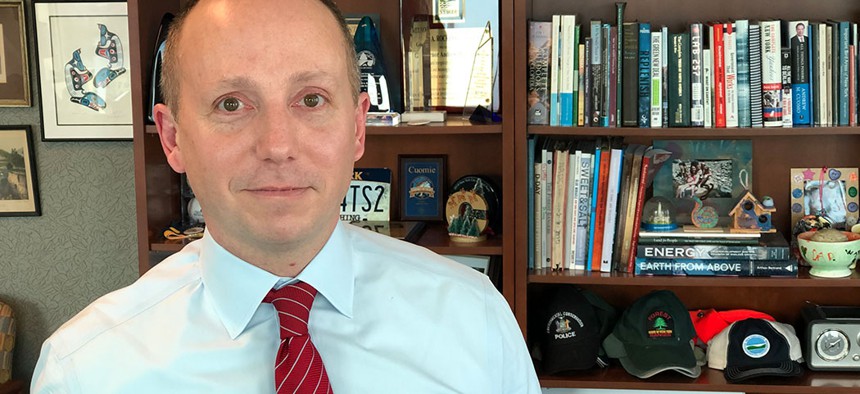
{"x": 625, "y": 279}
{"x": 694, "y": 131}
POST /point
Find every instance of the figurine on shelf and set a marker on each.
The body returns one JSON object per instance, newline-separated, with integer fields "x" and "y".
{"x": 750, "y": 215}
{"x": 703, "y": 216}
{"x": 659, "y": 215}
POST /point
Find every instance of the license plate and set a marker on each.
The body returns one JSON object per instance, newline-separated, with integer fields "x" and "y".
{"x": 368, "y": 197}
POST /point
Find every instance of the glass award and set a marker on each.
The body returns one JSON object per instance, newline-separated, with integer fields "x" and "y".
{"x": 449, "y": 55}
{"x": 371, "y": 66}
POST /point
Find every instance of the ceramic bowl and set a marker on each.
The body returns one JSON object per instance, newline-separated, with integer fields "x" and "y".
{"x": 829, "y": 259}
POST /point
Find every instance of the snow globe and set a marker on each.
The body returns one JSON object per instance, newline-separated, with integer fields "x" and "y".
{"x": 658, "y": 214}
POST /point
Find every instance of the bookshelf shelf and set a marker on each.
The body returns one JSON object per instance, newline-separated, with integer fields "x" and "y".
{"x": 694, "y": 131}
{"x": 624, "y": 279}
{"x": 615, "y": 378}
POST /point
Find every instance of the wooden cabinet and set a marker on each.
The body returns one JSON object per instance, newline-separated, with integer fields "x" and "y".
{"x": 775, "y": 151}
{"x": 470, "y": 149}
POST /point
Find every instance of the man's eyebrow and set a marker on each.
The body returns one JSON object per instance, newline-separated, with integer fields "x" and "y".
{"x": 237, "y": 82}
{"x": 313, "y": 76}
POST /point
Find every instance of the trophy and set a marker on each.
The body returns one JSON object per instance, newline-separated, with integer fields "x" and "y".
{"x": 371, "y": 66}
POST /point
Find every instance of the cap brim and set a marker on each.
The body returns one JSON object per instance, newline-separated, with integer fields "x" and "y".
{"x": 647, "y": 361}
{"x": 577, "y": 356}
{"x": 787, "y": 368}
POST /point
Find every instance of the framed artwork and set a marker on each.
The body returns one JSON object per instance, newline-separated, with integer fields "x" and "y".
{"x": 830, "y": 192}
{"x": 19, "y": 192}
{"x": 422, "y": 187}
{"x": 716, "y": 171}
{"x": 84, "y": 73}
{"x": 14, "y": 68}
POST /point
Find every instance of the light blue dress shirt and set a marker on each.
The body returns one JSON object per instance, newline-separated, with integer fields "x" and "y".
{"x": 389, "y": 317}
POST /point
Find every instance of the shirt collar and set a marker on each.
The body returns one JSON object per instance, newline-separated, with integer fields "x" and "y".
{"x": 237, "y": 287}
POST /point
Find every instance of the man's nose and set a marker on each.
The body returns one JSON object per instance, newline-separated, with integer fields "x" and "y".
{"x": 277, "y": 135}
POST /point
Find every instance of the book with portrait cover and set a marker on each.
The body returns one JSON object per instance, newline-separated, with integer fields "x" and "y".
{"x": 800, "y": 94}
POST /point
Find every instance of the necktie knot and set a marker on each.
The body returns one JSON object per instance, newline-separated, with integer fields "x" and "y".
{"x": 293, "y": 305}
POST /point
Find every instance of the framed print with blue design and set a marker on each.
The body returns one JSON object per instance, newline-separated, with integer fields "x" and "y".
{"x": 84, "y": 77}
{"x": 422, "y": 180}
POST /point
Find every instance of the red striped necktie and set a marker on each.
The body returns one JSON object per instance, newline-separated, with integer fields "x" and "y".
{"x": 298, "y": 366}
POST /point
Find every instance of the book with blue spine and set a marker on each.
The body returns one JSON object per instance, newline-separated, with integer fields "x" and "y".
{"x": 644, "y": 112}
{"x": 695, "y": 267}
{"x": 565, "y": 98}
{"x": 597, "y": 71}
{"x": 595, "y": 171}
{"x": 742, "y": 49}
{"x": 800, "y": 89}
{"x": 770, "y": 246}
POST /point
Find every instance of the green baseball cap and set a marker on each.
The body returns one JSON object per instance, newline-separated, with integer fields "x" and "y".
{"x": 653, "y": 335}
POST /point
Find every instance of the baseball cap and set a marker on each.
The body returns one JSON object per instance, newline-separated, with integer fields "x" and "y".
{"x": 575, "y": 322}
{"x": 756, "y": 347}
{"x": 653, "y": 335}
{"x": 710, "y": 322}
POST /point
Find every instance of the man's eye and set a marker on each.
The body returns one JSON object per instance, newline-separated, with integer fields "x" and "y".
{"x": 313, "y": 100}
{"x": 230, "y": 104}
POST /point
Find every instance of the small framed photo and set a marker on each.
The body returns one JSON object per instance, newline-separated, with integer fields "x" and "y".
{"x": 830, "y": 192}
{"x": 449, "y": 11}
{"x": 19, "y": 192}
{"x": 84, "y": 75}
{"x": 422, "y": 187}
{"x": 14, "y": 69}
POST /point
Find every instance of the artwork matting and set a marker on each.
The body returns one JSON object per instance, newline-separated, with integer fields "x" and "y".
{"x": 19, "y": 191}
{"x": 838, "y": 197}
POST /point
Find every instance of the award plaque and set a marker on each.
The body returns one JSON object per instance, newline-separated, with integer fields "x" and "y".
{"x": 472, "y": 209}
{"x": 422, "y": 179}
{"x": 449, "y": 56}
{"x": 371, "y": 66}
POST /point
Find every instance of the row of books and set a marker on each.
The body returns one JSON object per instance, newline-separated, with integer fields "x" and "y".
{"x": 733, "y": 74}
{"x": 585, "y": 201}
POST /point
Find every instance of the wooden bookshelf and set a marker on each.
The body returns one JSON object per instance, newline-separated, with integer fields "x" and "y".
{"x": 775, "y": 152}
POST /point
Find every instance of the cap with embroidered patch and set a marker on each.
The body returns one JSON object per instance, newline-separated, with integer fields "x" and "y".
{"x": 710, "y": 322}
{"x": 653, "y": 335}
{"x": 575, "y": 322}
{"x": 756, "y": 347}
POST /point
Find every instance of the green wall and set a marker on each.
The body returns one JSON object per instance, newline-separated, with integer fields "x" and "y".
{"x": 83, "y": 245}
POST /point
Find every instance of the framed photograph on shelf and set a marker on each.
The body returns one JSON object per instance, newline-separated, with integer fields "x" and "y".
{"x": 830, "y": 192}
{"x": 422, "y": 187}
{"x": 14, "y": 69}
{"x": 84, "y": 73}
{"x": 19, "y": 192}
{"x": 716, "y": 171}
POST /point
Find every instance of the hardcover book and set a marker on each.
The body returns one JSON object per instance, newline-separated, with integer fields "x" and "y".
{"x": 679, "y": 81}
{"x": 644, "y": 111}
{"x": 630, "y": 75}
{"x": 755, "y": 76}
{"x": 719, "y": 52}
{"x": 771, "y": 74}
{"x": 800, "y": 98}
{"x": 697, "y": 109}
{"x": 770, "y": 246}
{"x": 787, "y": 106}
{"x": 742, "y": 49}
{"x": 656, "y": 81}
{"x": 731, "y": 76}
{"x": 693, "y": 267}
{"x": 540, "y": 34}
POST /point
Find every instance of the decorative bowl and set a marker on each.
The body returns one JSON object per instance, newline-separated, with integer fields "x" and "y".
{"x": 829, "y": 259}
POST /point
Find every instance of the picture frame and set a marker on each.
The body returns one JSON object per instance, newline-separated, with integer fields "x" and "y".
{"x": 718, "y": 170}
{"x": 14, "y": 63}
{"x": 841, "y": 204}
{"x": 422, "y": 183}
{"x": 19, "y": 188}
{"x": 84, "y": 70}
{"x": 449, "y": 11}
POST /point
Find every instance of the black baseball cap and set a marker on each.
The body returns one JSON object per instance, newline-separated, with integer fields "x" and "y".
{"x": 756, "y": 347}
{"x": 575, "y": 321}
{"x": 653, "y": 335}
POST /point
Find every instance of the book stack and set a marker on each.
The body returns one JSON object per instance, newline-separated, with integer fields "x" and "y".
{"x": 696, "y": 253}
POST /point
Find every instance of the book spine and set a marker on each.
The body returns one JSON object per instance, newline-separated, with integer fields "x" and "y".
{"x": 697, "y": 104}
{"x": 800, "y": 98}
{"x": 731, "y": 77}
{"x": 852, "y": 91}
{"x": 637, "y": 216}
{"x": 707, "y": 87}
{"x": 587, "y": 87}
{"x": 570, "y": 212}
{"x": 612, "y": 189}
{"x": 656, "y": 82}
{"x": 844, "y": 35}
{"x": 613, "y": 76}
{"x": 630, "y": 74}
{"x": 693, "y": 267}
{"x": 664, "y": 65}
{"x": 577, "y": 74}
{"x": 644, "y": 111}
{"x": 597, "y": 70}
{"x": 555, "y": 71}
{"x": 546, "y": 210}
{"x": 595, "y": 186}
{"x": 786, "y": 88}
{"x": 566, "y": 78}
{"x": 600, "y": 210}
{"x": 580, "y": 101}
{"x": 605, "y": 50}
{"x": 559, "y": 202}
{"x": 583, "y": 210}
{"x": 679, "y": 81}
{"x": 532, "y": 186}
{"x": 665, "y": 241}
{"x": 812, "y": 32}
{"x": 713, "y": 252}
{"x": 742, "y": 46}
{"x": 538, "y": 65}
{"x": 755, "y": 76}
{"x": 719, "y": 52}
{"x": 619, "y": 58}
{"x": 771, "y": 74}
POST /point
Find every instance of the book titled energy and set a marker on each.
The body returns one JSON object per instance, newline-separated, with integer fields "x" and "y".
{"x": 771, "y": 246}
{"x": 696, "y": 267}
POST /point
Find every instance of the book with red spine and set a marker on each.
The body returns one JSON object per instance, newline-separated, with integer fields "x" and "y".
{"x": 719, "y": 69}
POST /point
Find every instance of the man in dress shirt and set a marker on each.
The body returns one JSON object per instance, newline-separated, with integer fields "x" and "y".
{"x": 263, "y": 114}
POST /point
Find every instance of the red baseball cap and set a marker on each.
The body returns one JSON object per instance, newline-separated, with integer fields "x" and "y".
{"x": 710, "y": 322}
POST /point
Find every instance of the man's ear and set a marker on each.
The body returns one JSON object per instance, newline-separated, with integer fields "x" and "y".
{"x": 360, "y": 120}
{"x": 167, "y": 132}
